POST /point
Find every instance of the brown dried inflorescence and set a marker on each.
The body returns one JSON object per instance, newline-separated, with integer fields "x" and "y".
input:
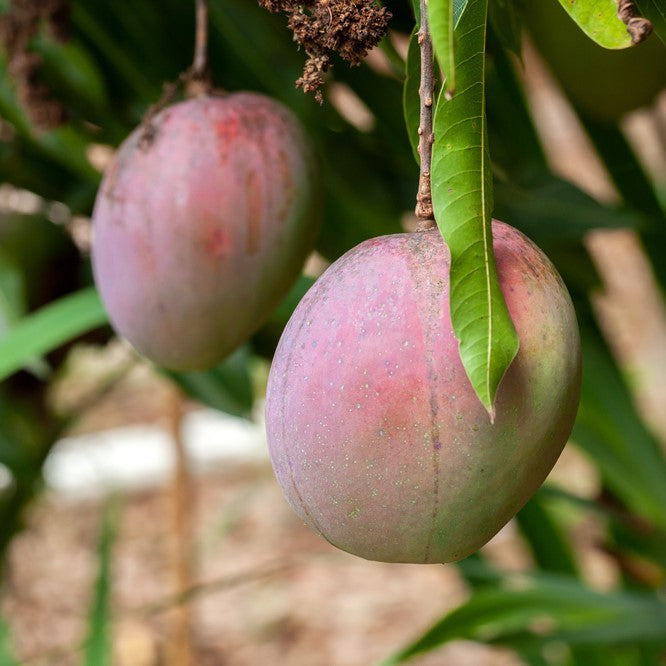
{"x": 17, "y": 27}
{"x": 323, "y": 27}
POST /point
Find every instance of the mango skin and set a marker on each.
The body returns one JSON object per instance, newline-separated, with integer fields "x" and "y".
{"x": 375, "y": 433}
{"x": 201, "y": 228}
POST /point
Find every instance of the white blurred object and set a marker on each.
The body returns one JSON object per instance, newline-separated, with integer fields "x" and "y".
{"x": 136, "y": 457}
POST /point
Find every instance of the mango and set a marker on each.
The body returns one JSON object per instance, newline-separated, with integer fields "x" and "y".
{"x": 202, "y": 224}
{"x": 375, "y": 433}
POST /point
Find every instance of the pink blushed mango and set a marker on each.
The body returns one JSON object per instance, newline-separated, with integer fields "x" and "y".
{"x": 202, "y": 224}
{"x": 375, "y": 433}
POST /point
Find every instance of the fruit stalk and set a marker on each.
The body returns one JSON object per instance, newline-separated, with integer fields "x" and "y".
{"x": 197, "y": 79}
{"x": 201, "y": 40}
{"x": 424, "y": 211}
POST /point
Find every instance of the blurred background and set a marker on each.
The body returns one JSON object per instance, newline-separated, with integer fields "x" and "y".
{"x": 140, "y": 523}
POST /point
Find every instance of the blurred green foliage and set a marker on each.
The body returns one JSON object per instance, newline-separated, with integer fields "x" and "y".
{"x": 104, "y": 77}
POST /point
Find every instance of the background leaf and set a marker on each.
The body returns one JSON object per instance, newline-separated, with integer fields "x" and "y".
{"x": 459, "y": 7}
{"x": 505, "y": 18}
{"x": 50, "y": 327}
{"x": 598, "y": 20}
{"x": 113, "y": 66}
{"x": 610, "y": 431}
{"x": 7, "y": 657}
{"x": 462, "y": 200}
{"x": 655, "y": 11}
{"x": 226, "y": 387}
{"x": 567, "y": 611}
{"x": 12, "y": 293}
{"x": 98, "y": 641}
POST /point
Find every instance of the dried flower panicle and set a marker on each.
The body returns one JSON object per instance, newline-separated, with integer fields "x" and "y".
{"x": 322, "y": 27}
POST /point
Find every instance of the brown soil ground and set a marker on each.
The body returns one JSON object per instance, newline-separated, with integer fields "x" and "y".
{"x": 271, "y": 591}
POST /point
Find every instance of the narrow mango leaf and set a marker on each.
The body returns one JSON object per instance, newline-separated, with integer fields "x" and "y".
{"x": 49, "y": 327}
{"x": 410, "y": 93}
{"x": 655, "y": 11}
{"x": 462, "y": 201}
{"x": 442, "y": 22}
{"x": 598, "y": 20}
{"x": 98, "y": 641}
{"x": 528, "y": 612}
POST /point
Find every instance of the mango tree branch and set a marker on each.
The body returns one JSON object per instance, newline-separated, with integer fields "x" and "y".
{"x": 424, "y": 211}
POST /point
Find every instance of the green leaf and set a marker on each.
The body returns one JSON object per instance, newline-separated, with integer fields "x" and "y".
{"x": 598, "y": 20}
{"x": 438, "y": 12}
{"x": 115, "y": 54}
{"x": 7, "y": 657}
{"x": 395, "y": 60}
{"x": 611, "y": 432}
{"x": 410, "y": 93}
{"x": 505, "y": 18}
{"x": 226, "y": 387}
{"x": 633, "y": 186}
{"x": 67, "y": 146}
{"x": 12, "y": 293}
{"x": 353, "y": 214}
{"x": 459, "y": 7}
{"x": 515, "y": 141}
{"x": 13, "y": 305}
{"x": 72, "y": 68}
{"x": 50, "y": 327}
{"x": 530, "y": 611}
{"x": 553, "y": 209}
{"x": 10, "y": 109}
{"x": 98, "y": 641}
{"x": 442, "y": 22}
{"x": 462, "y": 200}
{"x": 655, "y": 11}
{"x": 545, "y": 538}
